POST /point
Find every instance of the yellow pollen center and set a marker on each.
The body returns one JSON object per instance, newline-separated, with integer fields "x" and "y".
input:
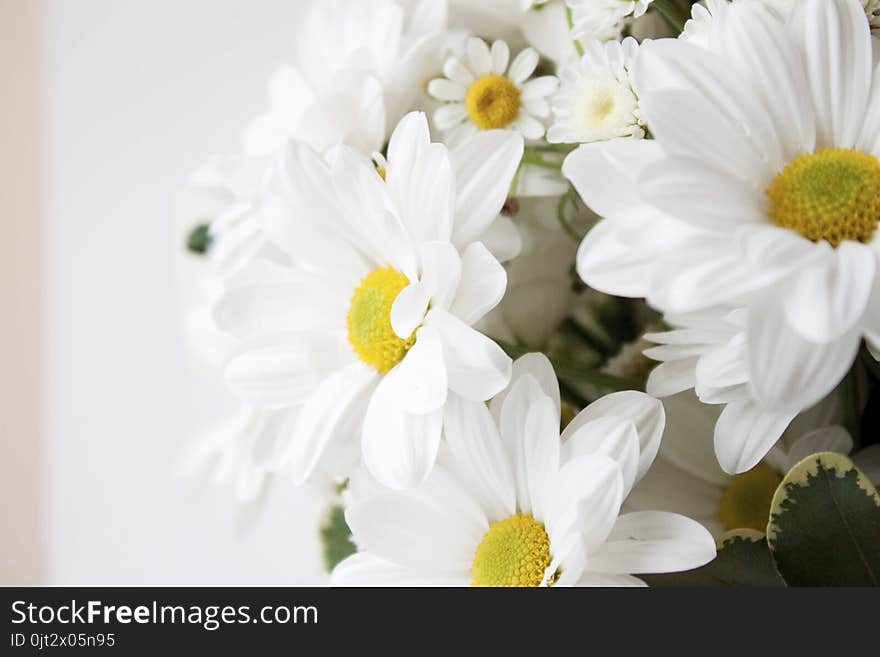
{"x": 746, "y": 500}
{"x": 492, "y": 102}
{"x": 514, "y": 552}
{"x": 369, "y": 320}
{"x": 831, "y": 195}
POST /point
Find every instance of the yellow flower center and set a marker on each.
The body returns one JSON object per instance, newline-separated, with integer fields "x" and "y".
{"x": 747, "y": 498}
{"x": 831, "y": 195}
{"x": 369, "y": 320}
{"x": 514, "y": 552}
{"x": 492, "y": 102}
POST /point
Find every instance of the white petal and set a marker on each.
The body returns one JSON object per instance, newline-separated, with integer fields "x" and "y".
{"x": 540, "y": 87}
{"x": 443, "y": 89}
{"x": 448, "y": 116}
{"x": 484, "y": 168}
{"x": 410, "y": 532}
{"x": 614, "y": 437}
{"x": 672, "y": 377}
{"x": 541, "y": 455}
{"x": 282, "y": 370}
{"x": 829, "y": 298}
{"x": 332, "y": 412}
{"x": 826, "y": 439}
{"x": 745, "y": 433}
{"x": 503, "y": 239}
{"x": 523, "y": 65}
{"x": 539, "y": 368}
{"x": 364, "y": 569}
{"x": 399, "y": 448}
{"x": 477, "y": 367}
{"x": 482, "y": 286}
{"x": 441, "y": 272}
{"x": 789, "y": 373}
{"x": 654, "y": 542}
{"x": 475, "y": 444}
{"x": 418, "y": 383}
{"x": 479, "y": 57}
{"x": 500, "y": 57}
{"x": 408, "y": 309}
{"x": 529, "y": 126}
{"x": 589, "y": 495}
{"x": 836, "y": 44}
{"x": 457, "y": 72}
{"x": 420, "y": 179}
{"x": 645, "y": 412}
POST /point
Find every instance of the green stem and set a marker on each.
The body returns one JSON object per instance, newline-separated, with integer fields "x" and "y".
{"x": 577, "y": 374}
{"x": 578, "y": 46}
{"x": 673, "y": 13}
{"x": 563, "y": 220}
{"x": 530, "y": 156}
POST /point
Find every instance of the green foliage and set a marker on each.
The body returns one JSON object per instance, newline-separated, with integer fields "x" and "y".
{"x": 199, "y": 239}
{"x": 335, "y": 537}
{"x": 824, "y": 527}
{"x": 743, "y": 560}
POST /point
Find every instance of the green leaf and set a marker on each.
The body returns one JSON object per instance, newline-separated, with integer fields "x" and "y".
{"x": 824, "y": 525}
{"x": 199, "y": 239}
{"x": 335, "y": 537}
{"x": 743, "y": 560}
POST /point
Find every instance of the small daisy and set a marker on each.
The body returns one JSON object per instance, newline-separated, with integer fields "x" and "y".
{"x": 685, "y": 477}
{"x": 603, "y": 19}
{"x": 367, "y": 324}
{"x": 596, "y": 100}
{"x": 510, "y": 504}
{"x": 758, "y": 192}
{"x": 485, "y": 95}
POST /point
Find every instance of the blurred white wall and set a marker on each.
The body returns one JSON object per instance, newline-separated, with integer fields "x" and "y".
{"x": 138, "y": 93}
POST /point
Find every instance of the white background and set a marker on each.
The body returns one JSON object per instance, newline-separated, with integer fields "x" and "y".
{"x": 139, "y": 93}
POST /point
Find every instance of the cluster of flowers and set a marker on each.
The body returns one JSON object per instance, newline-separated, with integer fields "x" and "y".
{"x": 421, "y": 201}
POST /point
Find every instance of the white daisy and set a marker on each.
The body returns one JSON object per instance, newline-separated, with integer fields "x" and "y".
{"x": 510, "y": 504}
{"x": 369, "y": 325}
{"x": 596, "y": 100}
{"x": 685, "y": 477}
{"x": 603, "y": 19}
{"x": 484, "y": 94}
{"x": 761, "y": 190}
{"x": 359, "y": 65}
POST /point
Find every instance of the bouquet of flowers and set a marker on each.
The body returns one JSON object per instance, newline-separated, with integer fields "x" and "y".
{"x": 563, "y": 292}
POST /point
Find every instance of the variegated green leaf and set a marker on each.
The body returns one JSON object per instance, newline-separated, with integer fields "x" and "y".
{"x": 743, "y": 560}
{"x": 824, "y": 525}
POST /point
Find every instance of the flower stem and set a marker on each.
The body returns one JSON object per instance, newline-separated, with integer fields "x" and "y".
{"x": 578, "y": 46}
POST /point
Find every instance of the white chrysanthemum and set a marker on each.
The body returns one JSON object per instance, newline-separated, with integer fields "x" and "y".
{"x": 761, "y": 190}
{"x": 510, "y": 504}
{"x": 484, "y": 94}
{"x": 708, "y": 351}
{"x": 368, "y": 324}
{"x": 596, "y": 100}
{"x": 359, "y": 66}
{"x": 603, "y": 19}
{"x": 685, "y": 477}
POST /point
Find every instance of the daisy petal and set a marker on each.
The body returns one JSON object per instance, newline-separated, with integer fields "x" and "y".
{"x": 418, "y": 382}
{"x": 482, "y": 286}
{"x": 477, "y": 367}
{"x": 484, "y": 167}
{"x": 458, "y": 72}
{"x": 364, "y": 569}
{"x": 479, "y": 56}
{"x": 539, "y": 368}
{"x": 475, "y": 444}
{"x": 745, "y": 433}
{"x": 332, "y": 412}
{"x": 500, "y": 55}
{"x": 654, "y": 542}
{"x": 540, "y": 87}
{"x": 446, "y": 90}
{"x": 826, "y": 439}
{"x": 523, "y": 65}
{"x": 614, "y": 437}
{"x": 589, "y": 494}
